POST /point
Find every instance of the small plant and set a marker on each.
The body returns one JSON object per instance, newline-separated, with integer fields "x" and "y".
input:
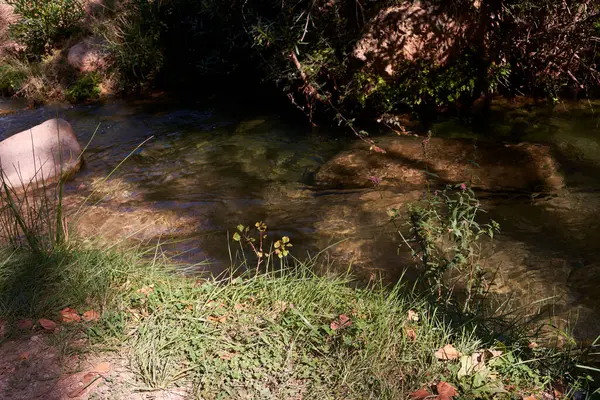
{"x": 43, "y": 24}
{"x": 447, "y": 237}
{"x": 85, "y": 88}
{"x": 243, "y": 235}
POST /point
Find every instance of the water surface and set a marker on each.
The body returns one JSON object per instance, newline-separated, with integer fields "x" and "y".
{"x": 202, "y": 171}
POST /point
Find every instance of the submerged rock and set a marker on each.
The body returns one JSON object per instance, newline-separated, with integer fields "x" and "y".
{"x": 411, "y": 163}
{"x": 40, "y": 154}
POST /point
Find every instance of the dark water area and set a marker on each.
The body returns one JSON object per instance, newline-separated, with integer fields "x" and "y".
{"x": 202, "y": 170}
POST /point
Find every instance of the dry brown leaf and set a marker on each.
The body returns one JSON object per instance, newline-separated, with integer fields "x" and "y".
{"x": 495, "y": 353}
{"x": 340, "y": 323}
{"x": 70, "y": 315}
{"x": 411, "y": 334}
{"x": 86, "y": 381}
{"x": 448, "y": 352}
{"x": 25, "y": 324}
{"x": 47, "y": 324}
{"x": 90, "y": 315}
{"x": 146, "y": 290}
{"x": 226, "y": 356}
{"x": 102, "y": 368}
{"x": 239, "y": 307}
{"x": 531, "y": 397}
{"x": 24, "y": 356}
{"x": 413, "y": 316}
{"x": 217, "y": 320}
{"x": 280, "y": 306}
{"x": 533, "y": 345}
{"x": 420, "y": 394}
{"x": 446, "y": 391}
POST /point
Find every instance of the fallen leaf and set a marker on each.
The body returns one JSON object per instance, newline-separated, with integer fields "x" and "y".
{"x": 24, "y": 356}
{"x": 146, "y": 290}
{"x": 446, "y": 391}
{"x": 226, "y": 356}
{"x": 47, "y": 324}
{"x": 340, "y": 323}
{"x": 90, "y": 316}
{"x": 411, "y": 334}
{"x": 217, "y": 320}
{"x": 531, "y": 397}
{"x": 102, "y": 368}
{"x": 239, "y": 307}
{"x": 495, "y": 353}
{"x": 448, "y": 352}
{"x": 533, "y": 345}
{"x": 413, "y": 316}
{"x": 420, "y": 394}
{"x": 25, "y": 324}
{"x": 70, "y": 315}
{"x": 87, "y": 381}
{"x": 280, "y": 306}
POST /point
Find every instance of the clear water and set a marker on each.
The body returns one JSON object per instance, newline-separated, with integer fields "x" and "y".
{"x": 203, "y": 171}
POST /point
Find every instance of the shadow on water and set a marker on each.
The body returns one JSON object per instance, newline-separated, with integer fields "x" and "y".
{"x": 207, "y": 170}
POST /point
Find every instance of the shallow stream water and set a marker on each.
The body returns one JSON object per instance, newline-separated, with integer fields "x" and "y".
{"x": 202, "y": 171}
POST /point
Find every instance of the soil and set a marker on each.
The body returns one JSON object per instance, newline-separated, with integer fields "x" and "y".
{"x": 35, "y": 367}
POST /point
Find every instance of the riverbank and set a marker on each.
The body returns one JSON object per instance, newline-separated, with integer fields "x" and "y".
{"x": 283, "y": 333}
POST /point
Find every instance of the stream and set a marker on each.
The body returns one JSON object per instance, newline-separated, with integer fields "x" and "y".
{"x": 202, "y": 171}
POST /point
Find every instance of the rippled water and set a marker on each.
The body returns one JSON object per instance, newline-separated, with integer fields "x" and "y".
{"x": 203, "y": 171}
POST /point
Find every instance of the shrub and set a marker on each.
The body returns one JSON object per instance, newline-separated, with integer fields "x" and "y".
{"x": 85, "y": 88}
{"x": 44, "y": 24}
{"x": 133, "y": 38}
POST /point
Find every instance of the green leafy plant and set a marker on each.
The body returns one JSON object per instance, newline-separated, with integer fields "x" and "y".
{"x": 446, "y": 238}
{"x": 246, "y": 235}
{"x": 85, "y": 88}
{"x": 44, "y": 24}
{"x": 134, "y": 42}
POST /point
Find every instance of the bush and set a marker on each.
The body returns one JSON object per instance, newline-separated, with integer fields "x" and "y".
{"x": 44, "y": 24}
{"x": 85, "y": 88}
{"x": 133, "y": 38}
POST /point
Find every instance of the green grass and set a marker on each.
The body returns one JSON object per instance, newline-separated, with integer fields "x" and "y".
{"x": 260, "y": 336}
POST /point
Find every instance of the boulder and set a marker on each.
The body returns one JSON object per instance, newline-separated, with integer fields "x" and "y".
{"x": 41, "y": 154}
{"x": 414, "y": 30}
{"x": 89, "y": 55}
{"x": 411, "y": 163}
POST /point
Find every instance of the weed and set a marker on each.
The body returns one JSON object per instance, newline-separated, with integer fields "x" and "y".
{"x": 85, "y": 88}
{"x": 446, "y": 235}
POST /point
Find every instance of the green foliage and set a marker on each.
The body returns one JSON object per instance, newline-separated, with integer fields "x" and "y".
{"x": 85, "y": 88}
{"x": 12, "y": 78}
{"x": 43, "y": 24}
{"x": 447, "y": 235}
{"x": 134, "y": 42}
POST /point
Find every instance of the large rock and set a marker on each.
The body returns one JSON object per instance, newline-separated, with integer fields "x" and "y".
{"x": 411, "y": 163}
{"x": 89, "y": 55}
{"x": 41, "y": 154}
{"x": 415, "y": 30}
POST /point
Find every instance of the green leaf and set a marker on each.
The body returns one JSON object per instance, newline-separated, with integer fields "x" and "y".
{"x": 237, "y": 237}
{"x": 240, "y": 228}
{"x": 285, "y": 239}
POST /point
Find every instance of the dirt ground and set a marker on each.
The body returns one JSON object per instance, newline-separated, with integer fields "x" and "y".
{"x": 33, "y": 366}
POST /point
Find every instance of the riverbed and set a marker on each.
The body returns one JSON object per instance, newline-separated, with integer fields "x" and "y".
{"x": 186, "y": 176}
